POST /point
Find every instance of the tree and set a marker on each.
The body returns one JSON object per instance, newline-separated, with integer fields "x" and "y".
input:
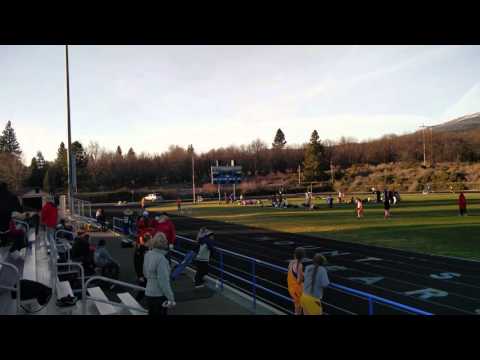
{"x": 279, "y": 141}
{"x": 61, "y": 167}
{"x": 80, "y": 155}
{"x": 119, "y": 151}
{"x": 46, "y": 182}
{"x": 131, "y": 154}
{"x": 40, "y": 160}
{"x": 313, "y": 163}
{"x": 36, "y": 177}
{"x": 8, "y": 141}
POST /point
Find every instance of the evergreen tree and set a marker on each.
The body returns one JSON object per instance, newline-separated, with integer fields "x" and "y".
{"x": 131, "y": 154}
{"x": 8, "y": 141}
{"x": 80, "y": 155}
{"x": 61, "y": 165}
{"x": 46, "y": 182}
{"x": 36, "y": 176}
{"x": 40, "y": 160}
{"x": 119, "y": 151}
{"x": 314, "y": 161}
{"x": 279, "y": 140}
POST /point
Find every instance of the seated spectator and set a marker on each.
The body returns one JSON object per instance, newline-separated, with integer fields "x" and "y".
{"x": 315, "y": 280}
{"x": 158, "y": 291}
{"x": 104, "y": 260}
{"x": 16, "y": 238}
{"x": 82, "y": 252}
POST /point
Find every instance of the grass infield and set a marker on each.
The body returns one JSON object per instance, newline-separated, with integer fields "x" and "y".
{"x": 421, "y": 223}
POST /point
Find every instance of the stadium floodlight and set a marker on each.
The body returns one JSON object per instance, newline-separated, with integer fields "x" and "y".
{"x": 69, "y": 150}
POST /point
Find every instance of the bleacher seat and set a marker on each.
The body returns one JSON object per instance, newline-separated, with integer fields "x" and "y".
{"x": 128, "y": 299}
{"x": 103, "y": 308}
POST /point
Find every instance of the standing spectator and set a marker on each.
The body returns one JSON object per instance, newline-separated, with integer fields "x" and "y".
{"x": 316, "y": 279}
{"x": 379, "y": 197}
{"x": 158, "y": 291}
{"x": 386, "y": 207}
{"x": 144, "y": 234}
{"x": 295, "y": 278}
{"x": 359, "y": 208}
{"x": 100, "y": 217}
{"x": 49, "y": 218}
{"x": 179, "y": 204}
{"x": 462, "y": 204}
{"x": 104, "y": 260}
{"x": 166, "y": 226}
{"x": 330, "y": 201}
{"x": 205, "y": 239}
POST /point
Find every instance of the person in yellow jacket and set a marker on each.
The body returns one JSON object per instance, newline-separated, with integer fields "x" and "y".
{"x": 295, "y": 278}
{"x": 316, "y": 279}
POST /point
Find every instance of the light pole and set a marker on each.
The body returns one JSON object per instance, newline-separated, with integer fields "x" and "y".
{"x": 69, "y": 157}
{"x": 190, "y": 149}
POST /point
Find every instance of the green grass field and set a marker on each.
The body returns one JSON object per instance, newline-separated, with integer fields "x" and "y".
{"x": 422, "y": 223}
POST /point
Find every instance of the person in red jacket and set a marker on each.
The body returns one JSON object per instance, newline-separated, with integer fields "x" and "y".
{"x": 165, "y": 225}
{"x": 49, "y": 218}
{"x": 462, "y": 204}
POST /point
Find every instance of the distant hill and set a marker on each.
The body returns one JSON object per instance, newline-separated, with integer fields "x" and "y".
{"x": 464, "y": 123}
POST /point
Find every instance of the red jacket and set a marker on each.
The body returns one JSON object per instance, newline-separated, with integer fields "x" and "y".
{"x": 13, "y": 229}
{"x": 49, "y": 215}
{"x": 462, "y": 202}
{"x": 168, "y": 229}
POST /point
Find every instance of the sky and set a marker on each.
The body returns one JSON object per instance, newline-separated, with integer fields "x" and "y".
{"x": 150, "y": 97}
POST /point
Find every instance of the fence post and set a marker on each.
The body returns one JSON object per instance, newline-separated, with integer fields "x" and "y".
{"x": 221, "y": 271}
{"x": 370, "y": 306}
{"x": 254, "y": 284}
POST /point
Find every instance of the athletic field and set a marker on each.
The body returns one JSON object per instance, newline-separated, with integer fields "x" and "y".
{"x": 421, "y": 223}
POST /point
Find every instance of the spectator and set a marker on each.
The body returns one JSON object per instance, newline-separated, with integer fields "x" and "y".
{"x": 205, "y": 239}
{"x": 386, "y": 207}
{"x": 100, "y": 217}
{"x": 158, "y": 291}
{"x": 166, "y": 226}
{"x": 379, "y": 197}
{"x": 316, "y": 279}
{"x": 8, "y": 204}
{"x": 330, "y": 201}
{"x": 49, "y": 218}
{"x": 462, "y": 204}
{"x": 63, "y": 226}
{"x": 295, "y": 278}
{"x": 359, "y": 208}
{"x": 104, "y": 260}
{"x": 16, "y": 237}
{"x": 82, "y": 252}
{"x": 179, "y": 204}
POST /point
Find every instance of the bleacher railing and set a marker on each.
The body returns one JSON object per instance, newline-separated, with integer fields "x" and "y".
{"x": 372, "y": 299}
{"x": 86, "y": 297}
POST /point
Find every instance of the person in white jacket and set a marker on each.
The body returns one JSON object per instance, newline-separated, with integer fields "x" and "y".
{"x": 156, "y": 269}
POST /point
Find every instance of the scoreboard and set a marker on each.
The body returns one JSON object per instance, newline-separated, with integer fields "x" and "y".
{"x": 226, "y": 174}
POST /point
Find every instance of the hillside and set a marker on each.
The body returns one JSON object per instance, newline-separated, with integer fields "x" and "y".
{"x": 464, "y": 123}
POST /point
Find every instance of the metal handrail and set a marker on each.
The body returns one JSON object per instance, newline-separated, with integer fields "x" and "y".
{"x": 108, "y": 280}
{"x": 370, "y": 297}
{"x": 17, "y": 289}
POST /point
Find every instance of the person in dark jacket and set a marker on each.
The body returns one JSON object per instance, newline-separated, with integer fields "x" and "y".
{"x": 462, "y": 204}
{"x": 81, "y": 252}
{"x": 8, "y": 203}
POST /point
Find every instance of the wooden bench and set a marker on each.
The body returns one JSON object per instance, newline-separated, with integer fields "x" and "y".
{"x": 103, "y": 308}
{"x": 128, "y": 299}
